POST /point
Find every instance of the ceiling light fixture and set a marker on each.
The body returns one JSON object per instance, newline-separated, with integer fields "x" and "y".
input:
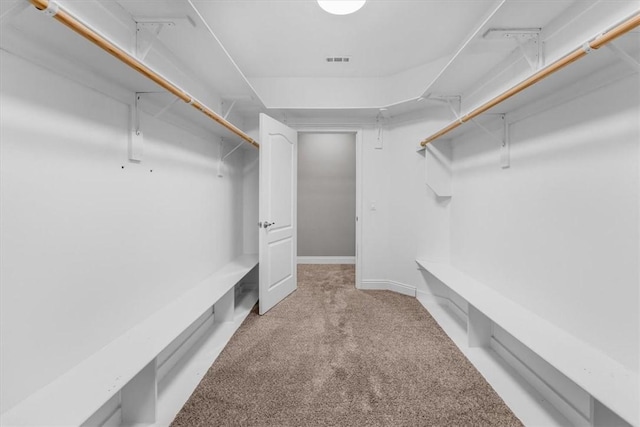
{"x": 341, "y": 7}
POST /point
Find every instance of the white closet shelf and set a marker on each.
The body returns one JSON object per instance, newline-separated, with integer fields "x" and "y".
{"x": 611, "y": 383}
{"x": 76, "y": 395}
{"x": 547, "y": 81}
{"x": 31, "y": 32}
{"x": 480, "y": 54}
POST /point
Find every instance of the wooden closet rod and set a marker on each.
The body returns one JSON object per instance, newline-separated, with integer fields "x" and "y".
{"x": 596, "y": 43}
{"x": 64, "y": 17}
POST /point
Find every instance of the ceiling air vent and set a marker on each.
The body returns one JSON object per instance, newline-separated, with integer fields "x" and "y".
{"x": 338, "y": 59}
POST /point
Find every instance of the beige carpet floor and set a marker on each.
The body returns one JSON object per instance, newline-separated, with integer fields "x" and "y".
{"x": 331, "y": 355}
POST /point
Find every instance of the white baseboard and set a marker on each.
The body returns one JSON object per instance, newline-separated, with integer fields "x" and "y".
{"x": 388, "y": 285}
{"x": 374, "y": 285}
{"x": 326, "y": 260}
{"x": 401, "y": 288}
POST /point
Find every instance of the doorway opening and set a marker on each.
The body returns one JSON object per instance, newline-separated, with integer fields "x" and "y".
{"x": 328, "y": 198}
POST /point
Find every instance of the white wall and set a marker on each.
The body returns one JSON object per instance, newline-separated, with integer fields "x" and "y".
{"x": 250, "y": 200}
{"x": 558, "y": 231}
{"x": 90, "y": 248}
{"x": 375, "y": 207}
{"x": 326, "y": 194}
{"x": 345, "y": 93}
{"x": 419, "y": 219}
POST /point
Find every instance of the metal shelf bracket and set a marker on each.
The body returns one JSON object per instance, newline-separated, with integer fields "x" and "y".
{"x": 503, "y": 140}
{"x": 223, "y": 158}
{"x": 527, "y": 40}
{"x": 381, "y": 119}
{"x": 453, "y": 101}
{"x": 147, "y": 33}
{"x": 136, "y": 139}
{"x": 505, "y": 148}
{"x": 230, "y": 109}
{"x": 166, "y": 108}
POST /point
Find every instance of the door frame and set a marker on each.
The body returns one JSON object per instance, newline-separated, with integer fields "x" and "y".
{"x": 358, "y": 133}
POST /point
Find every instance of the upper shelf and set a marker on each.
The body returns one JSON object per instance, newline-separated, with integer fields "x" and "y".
{"x": 34, "y": 27}
{"x": 507, "y": 99}
{"x": 481, "y": 53}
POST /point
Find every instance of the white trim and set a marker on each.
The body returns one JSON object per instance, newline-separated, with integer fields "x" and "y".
{"x": 326, "y": 260}
{"x": 359, "y": 157}
{"x": 374, "y": 285}
{"x": 401, "y": 288}
{"x": 388, "y": 285}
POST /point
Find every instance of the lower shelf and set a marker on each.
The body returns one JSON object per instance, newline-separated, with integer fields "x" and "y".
{"x": 175, "y": 388}
{"x": 606, "y": 380}
{"x": 519, "y": 395}
{"x": 75, "y": 397}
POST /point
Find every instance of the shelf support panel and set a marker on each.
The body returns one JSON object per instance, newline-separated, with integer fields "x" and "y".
{"x": 15, "y": 10}
{"x": 166, "y": 108}
{"x": 230, "y": 109}
{"x": 454, "y": 102}
{"x": 140, "y": 397}
{"x": 624, "y": 55}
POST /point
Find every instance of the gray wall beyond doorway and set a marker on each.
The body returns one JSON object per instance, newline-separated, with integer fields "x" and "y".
{"x": 326, "y": 194}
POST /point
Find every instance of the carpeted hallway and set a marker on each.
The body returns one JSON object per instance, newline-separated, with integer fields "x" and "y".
{"x": 331, "y": 355}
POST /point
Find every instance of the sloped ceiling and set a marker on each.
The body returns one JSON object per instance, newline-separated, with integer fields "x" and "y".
{"x": 394, "y": 48}
{"x": 272, "y": 54}
{"x": 293, "y": 38}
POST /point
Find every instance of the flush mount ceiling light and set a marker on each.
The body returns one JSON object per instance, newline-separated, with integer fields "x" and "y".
{"x": 341, "y": 7}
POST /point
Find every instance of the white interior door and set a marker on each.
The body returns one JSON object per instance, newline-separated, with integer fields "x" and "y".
{"x": 278, "y": 222}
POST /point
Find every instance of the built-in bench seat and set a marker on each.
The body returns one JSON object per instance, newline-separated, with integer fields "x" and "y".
{"x": 608, "y": 382}
{"x": 128, "y": 364}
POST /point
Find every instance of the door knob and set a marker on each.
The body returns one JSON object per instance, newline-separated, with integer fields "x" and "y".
{"x": 267, "y": 224}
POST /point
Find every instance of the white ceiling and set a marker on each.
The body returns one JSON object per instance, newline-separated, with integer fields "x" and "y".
{"x": 292, "y": 38}
{"x": 270, "y": 54}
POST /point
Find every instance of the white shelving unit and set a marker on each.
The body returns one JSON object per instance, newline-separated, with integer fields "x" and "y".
{"x": 609, "y": 382}
{"x": 438, "y": 167}
{"x": 500, "y": 63}
{"x": 134, "y": 365}
{"x": 32, "y": 35}
{"x": 598, "y": 69}
{"x": 128, "y": 364}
